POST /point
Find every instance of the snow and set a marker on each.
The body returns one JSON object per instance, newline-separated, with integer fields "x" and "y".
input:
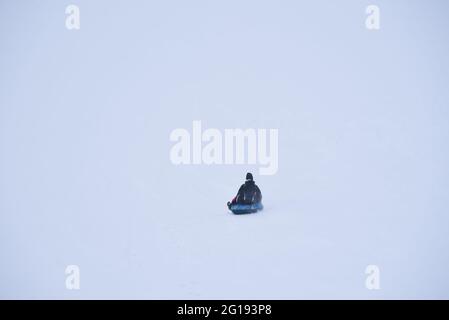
{"x": 86, "y": 177}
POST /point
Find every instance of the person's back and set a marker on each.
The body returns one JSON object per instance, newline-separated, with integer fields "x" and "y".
{"x": 249, "y": 192}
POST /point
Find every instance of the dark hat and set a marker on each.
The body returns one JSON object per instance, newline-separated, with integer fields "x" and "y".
{"x": 249, "y": 176}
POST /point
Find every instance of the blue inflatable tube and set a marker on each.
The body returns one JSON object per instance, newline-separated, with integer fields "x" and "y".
{"x": 245, "y": 208}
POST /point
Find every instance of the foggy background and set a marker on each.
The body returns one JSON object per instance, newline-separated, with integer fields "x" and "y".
{"x": 86, "y": 178}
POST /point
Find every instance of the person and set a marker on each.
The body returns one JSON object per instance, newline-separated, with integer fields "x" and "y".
{"x": 249, "y": 193}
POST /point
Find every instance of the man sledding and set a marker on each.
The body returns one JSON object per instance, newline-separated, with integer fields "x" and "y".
{"x": 248, "y": 198}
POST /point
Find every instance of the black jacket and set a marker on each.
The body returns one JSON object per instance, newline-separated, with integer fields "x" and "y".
{"x": 248, "y": 193}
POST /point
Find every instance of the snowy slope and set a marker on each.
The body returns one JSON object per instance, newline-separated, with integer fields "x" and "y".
{"x": 86, "y": 177}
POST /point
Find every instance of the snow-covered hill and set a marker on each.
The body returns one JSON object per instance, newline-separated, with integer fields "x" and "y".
{"x": 86, "y": 177}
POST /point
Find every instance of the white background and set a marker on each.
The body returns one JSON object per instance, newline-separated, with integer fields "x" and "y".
{"x": 85, "y": 175}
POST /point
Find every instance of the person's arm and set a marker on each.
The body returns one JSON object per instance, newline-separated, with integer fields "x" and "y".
{"x": 239, "y": 193}
{"x": 259, "y": 194}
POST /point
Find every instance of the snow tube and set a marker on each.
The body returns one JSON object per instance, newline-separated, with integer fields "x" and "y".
{"x": 245, "y": 208}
